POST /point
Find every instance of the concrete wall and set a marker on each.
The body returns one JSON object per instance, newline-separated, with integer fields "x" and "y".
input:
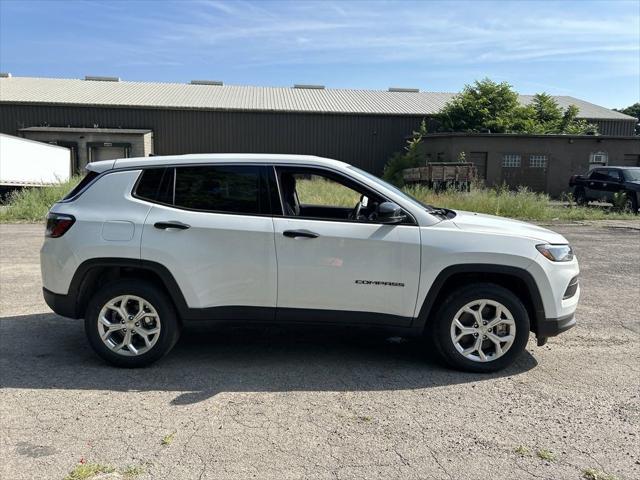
{"x": 566, "y": 156}
{"x": 141, "y": 144}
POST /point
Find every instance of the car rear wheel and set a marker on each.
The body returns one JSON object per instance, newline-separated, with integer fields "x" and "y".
{"x": 130, "y": 323}
{"x": 480, "y": 328}
{"x": 631, "y": 203}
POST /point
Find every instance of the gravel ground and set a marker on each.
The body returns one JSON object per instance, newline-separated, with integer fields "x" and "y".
{"x": 279, "y": 404}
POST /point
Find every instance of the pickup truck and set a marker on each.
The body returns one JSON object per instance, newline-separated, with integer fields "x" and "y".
{"x": 601, "y": 183}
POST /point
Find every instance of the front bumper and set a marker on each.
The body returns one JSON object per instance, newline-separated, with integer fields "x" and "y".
{"x": 63, "y": 305}
{"x": 551, "y": 327}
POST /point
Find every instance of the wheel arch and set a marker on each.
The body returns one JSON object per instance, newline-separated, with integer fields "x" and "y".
{"x": 93, "y": 273}
{"x": 515, "y": 279}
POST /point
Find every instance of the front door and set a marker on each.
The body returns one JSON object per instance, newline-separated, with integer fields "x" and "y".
{"x": 335, "y": 264}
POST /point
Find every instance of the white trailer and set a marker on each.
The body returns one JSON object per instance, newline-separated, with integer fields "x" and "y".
{"x": 27, "y": 163}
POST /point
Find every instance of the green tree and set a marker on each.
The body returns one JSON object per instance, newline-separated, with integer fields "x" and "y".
{"x": 634, "y": 111}
{"x": 485, "y": 105}
{"x": 494, "y": 107}
{"x": 410, "y": 158}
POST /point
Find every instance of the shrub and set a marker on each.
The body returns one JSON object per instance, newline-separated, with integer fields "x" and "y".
{"x": 32, "y": 204}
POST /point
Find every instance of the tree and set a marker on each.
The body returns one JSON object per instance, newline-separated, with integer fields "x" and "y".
{"x": 634, "y": 111}
{"x": 410, "y": 158}
{"x": 483, "y": 106}
{"x": 487, "y": 106}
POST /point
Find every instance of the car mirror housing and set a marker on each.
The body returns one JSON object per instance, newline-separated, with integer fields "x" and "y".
{"x": 390, "y": 213}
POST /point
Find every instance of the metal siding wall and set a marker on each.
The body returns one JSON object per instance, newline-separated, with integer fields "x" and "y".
{"x": 363, "y": 140}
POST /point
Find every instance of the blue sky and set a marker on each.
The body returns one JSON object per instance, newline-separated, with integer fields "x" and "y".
{"x": 589, "y": 50}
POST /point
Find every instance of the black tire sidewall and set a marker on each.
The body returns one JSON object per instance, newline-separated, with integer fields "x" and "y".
{"x": 444, "y": 318}
{"x": 169, "y": 332}
{"x": 581, "y": 197}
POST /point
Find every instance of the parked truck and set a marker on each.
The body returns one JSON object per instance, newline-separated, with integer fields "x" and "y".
{"x": 26, "y": 163}
{"x": 604, "y": 184}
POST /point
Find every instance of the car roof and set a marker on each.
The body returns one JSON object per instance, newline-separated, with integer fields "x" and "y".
{"x": 208, "y": 158}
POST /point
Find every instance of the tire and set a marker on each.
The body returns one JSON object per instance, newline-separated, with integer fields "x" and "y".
{"x": 515, "y": 317}
{"x": 158, "y": 311}
{"x": 580, "y": 196}
{"x": 631, "y": 204}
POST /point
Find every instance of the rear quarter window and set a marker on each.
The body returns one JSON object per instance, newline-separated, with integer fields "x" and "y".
{"x": 88, "y": 178}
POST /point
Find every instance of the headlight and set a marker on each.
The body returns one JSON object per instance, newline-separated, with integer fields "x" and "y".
{"x": 556, "y": 253}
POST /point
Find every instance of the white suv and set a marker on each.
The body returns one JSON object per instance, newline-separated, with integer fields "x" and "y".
{"x": 144, "y": 246}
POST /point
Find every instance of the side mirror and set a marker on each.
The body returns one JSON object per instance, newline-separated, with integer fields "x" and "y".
{"x": 390, "y": 213}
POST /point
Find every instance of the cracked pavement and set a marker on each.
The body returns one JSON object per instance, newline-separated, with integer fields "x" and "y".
{"x": 289, "y": 404}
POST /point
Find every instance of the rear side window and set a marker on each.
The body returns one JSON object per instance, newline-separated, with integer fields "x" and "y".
{"x": 224, "y": 188}
{"x": 88, "y": 178}
{"x": 156, "y": 184}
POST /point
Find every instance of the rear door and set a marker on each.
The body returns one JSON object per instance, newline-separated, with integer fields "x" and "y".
{"x": 214, "y": 233}
{"x": 335, "y": 268}
{"x": 596, "y": 184}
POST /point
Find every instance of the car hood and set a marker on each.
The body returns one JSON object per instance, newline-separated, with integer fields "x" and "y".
{"x": 478, "y": 222}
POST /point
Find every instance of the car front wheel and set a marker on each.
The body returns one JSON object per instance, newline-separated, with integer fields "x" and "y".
{"x": 481, "y": 328}
{"x": 131, "y": 323}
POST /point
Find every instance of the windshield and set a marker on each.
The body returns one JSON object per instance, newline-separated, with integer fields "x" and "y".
{"x": 632, "y": 175}
{"x": 393, "y": 188}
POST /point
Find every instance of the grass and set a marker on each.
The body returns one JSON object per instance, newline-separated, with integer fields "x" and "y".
{"x": 547, "y": 455}
{"x": 593, "y": 474}
{"x": 168, "y": 439}
{"x": 522, "y": 204}
{"x": 84, "y": 471}
{"x": 522, "y": 451}
{"x": 32, "y": 204}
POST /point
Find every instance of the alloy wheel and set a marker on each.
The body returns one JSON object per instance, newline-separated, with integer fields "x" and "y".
{"x": 129, "y": 325}
{"x": 483, "y": 330}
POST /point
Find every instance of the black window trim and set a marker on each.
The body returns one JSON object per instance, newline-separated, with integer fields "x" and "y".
{"x": 413, "y": 221}
{"x": 263, "y": 177}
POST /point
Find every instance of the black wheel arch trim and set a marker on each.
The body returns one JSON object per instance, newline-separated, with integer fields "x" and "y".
{"x": 76, "y": 290}
{"x": 428, "y": 305}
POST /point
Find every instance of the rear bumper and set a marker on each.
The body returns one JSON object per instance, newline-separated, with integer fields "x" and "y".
{"x": 63, "y": 305}
{"x": 551, "y": 327}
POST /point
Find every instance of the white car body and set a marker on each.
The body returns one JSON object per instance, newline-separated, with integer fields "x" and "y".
{"x": 227, "y": 265}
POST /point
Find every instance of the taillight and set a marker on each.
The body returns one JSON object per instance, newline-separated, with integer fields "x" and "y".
{"x": 58, "y": 224}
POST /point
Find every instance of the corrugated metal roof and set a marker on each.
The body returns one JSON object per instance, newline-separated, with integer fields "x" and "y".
{"x": 246, "y": 98}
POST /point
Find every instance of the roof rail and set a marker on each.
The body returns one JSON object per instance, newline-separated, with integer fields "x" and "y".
{"x": 401, "y": 89}
{"x": 309, "y": 87}
{"x": 207, "y": 82}
{"x": 93, "y": 78}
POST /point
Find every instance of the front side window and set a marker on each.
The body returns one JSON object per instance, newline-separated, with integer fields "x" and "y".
{"x": 224, "y": 188}
{"x": 614, "y": 176}
{"x": 313, "y": 193}
{"x": 538, "y": 161}
{"x": 511, "y": 161}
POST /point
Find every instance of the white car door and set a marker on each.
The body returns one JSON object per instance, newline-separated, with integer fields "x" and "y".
{"x": 337, "y": 269}
{"x": 215, "y": 236}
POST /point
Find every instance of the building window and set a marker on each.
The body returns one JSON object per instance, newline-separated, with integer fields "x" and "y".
{"x": 599, "y": 158}
{"x": 538, "y": 161}
{"x": 511, "y": 161}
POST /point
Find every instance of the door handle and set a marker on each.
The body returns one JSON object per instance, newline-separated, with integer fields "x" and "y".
{"x": 299, "y": 233}
{"x": 166, "y": 225}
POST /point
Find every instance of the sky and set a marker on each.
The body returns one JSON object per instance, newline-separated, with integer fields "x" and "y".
{"x": 586, "y": 49}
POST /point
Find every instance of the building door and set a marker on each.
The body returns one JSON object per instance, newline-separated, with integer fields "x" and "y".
{"x": 536, "y": 172}
{"x": 97, "y": 151}
{"x": 513, "y": 173}
{"x": 479, "y": 159}
{"x": 631, "y": 160}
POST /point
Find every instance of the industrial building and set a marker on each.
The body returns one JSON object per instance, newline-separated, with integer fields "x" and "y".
{"x": 103, "y": 117}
